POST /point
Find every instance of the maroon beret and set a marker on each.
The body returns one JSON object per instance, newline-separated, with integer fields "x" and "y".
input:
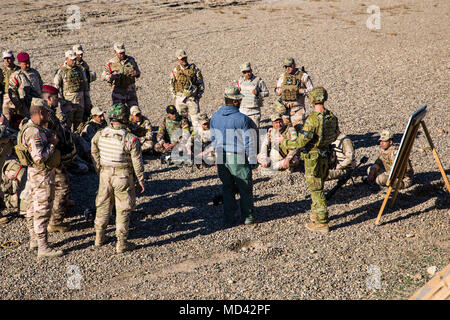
{"x": 49, "y": 89}
{"x": 23, "y": 57}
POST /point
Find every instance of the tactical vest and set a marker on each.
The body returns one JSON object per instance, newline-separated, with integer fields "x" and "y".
{"x": 327, "y": 130}
{"x": 290, "y": 86}
{"x": 112, "y": 148}
{"x": 74, "y": 81}
{"x": 184, "y": 78}
{"x": 7, "y": 72}
{"x": 125, "y": 80}
{"x": 174, "y": 129}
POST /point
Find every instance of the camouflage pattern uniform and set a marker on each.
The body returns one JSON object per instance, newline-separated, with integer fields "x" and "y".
{"x": 14, "y": 177}
{"x": 6, "y": 146}
{"x": 287, "y": 88}
{"x": 201, "y": 140}
{"x": 271, "y": 151}
{"x": 251, "y": 104}
{"x": 5, "y": 74}
{"x": 345, "y": 157}
{"x": 90, "y": 129}
{"x": 187, "y": 87}
{"x": 319, "y": 131}
{"x": 383, "y": 166}
{"x": 72, "y": 83}
{"x": 171, "y": 131}
{"x": 115, "y": 153}
{"x": 117, "y": 73}
{"x": 143, "y": 130}
{"x": 23, "y": 86}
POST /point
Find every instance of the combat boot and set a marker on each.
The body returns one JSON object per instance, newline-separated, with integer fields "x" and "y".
{"x": 123, "y": 245}
{"x": 4, "y": 220}
{"x": 62, "y": 227}
{"x": 44, "y": 251}
{"x": 313, "y": 216}
{"x": 100, "y": 238}
{"x": 318, "y": 227}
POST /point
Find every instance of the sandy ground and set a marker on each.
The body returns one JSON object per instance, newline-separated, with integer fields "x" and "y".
{"x": 375, "y": 80}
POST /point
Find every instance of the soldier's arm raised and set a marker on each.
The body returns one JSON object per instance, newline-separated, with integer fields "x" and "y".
{"x": 305, "y": 135}
{"x": 263, "y": 90}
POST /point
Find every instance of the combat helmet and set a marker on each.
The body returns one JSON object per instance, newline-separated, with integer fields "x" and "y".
{"x": 318, "y": 95}
{"x": 118, "y": 112}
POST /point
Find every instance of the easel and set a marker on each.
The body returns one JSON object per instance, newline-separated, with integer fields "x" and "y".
{"x": 401, "y": 160}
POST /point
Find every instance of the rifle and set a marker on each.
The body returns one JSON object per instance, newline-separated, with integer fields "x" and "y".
{"x": 344, "y": 178}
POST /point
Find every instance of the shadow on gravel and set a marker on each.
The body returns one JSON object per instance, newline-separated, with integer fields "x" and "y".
{"x": 370, "y": 139}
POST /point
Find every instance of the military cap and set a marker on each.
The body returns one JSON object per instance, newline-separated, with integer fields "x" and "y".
{"x": 39, "y": 102}
{"x": 7, "y": 54}
{"x": 275, "y": 117}
{"x": 181, "y": 54}
{"x": 119, "y": 47}
{"x": 233, "y": 93}
{"x": 78, "y": 49}
{"x": 171, "y": 109}
{"x": 203, "y": 118}
{"x": 49, "y": 89}
{"x": 246, "y": 67}
{"x": 71, "y": 54}
{"x": 386, "y": 135}
{"x": 23, "y": 57}
{"x": 134, "y": 110}
{"x": 318, "y": 95}
{"x": 96, "y": 111}
{"x": 118, "y": 111}
{"x": 288, "y": 62}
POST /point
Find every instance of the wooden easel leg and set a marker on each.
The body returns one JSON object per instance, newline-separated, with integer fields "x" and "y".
{"x": 436, "y": 157}
{"x": 377, "y": 222}
{"x": 397, "y": 184}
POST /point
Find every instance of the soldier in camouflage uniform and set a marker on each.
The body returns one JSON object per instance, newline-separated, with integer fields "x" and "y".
{"x": 6, "y": 146}
{"x": 344, "y": 157}
{"x": 121, "y": 72}
{"x": 271, "y": 155}
{"x": 115, "y": 153}
{"x": 254, "y": 91}
{"x": 142, "y": 128}
{"x": 36, "y": 148}
{"x": 187, "y": 87}
{"x": 96, "y": 123}
{"x": 24, "y": 85}
{"x": 200, "y": 142}
{"x": 379, "y": 172}
{"x": 6, "y": 70}
{"x": 71, "y": 82}
{"x": 318, "y": 133}
{"x": 14, "y": 178}
{"x": 90, "y": 76}
{"x": 292, "y": 87}
{"x": 174, "y": 130}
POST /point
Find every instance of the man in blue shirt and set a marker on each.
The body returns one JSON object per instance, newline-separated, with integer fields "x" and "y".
{"x": 233, "y": 136}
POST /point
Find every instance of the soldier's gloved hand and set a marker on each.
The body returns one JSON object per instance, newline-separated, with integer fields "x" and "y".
{"x": 141, "y": 186}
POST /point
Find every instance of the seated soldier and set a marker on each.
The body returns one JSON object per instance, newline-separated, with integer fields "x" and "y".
{"x": 14, "y": 177}
{"x": 141, "y": 127}
{"x": 379, "y": 172}
{"x": 344, "y": 159}
{"x": 96, "y": 123}
{"x": 200, "y": 142}
{"x": 173, "y": 134}
{"x": 271, "y": 155}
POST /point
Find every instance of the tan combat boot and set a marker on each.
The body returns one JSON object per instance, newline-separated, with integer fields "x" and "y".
{"x": 62, "y": 227}
{"x": 313, "y": 216}
{"x": 123, "y": 245}
{"x": 44, "y": 251}
{"x": 318, "y": 227}
{"x": 100, "y": 238}
{"x": 33, "y": 239}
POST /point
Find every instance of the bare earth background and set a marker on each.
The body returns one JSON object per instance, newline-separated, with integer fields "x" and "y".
{"x": 375, "y": 80}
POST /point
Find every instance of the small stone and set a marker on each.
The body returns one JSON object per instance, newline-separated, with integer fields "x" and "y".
{"x": 432, "y": 270}
{"x": 230, "y": 281}
{"x": 409, "y": 235}
{"x": 312, "y": 250}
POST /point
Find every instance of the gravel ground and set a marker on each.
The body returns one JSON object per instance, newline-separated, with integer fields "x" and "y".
{"x": 375, "y": 80}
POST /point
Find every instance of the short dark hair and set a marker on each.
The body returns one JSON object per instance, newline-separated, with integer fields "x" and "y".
{"x": 35, "y": 109}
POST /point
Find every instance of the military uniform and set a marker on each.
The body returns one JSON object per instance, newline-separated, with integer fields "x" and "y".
{"x": 344, "y": 157}
{"x": 90, "y": 129}
{"x": 90, "y": 76}
{"x": 115, "y": 153}
{"x": 251, "y": 104}
{"x": 200, "y": 143}
{"x": 23, "y": 86}
{"x": 318, "y": 133}
{"x": 40, "y": 181}
{"x": 273, "y": 154}
{"x": 117, "y": 73}
{"x": 171, "y": 131}
{"x": 288, "y": 86}
{"x": 383, "y": 166}
{"x": 14, "y": 177}
{"x": 6, "y": 146}
{"x": 5, "y": 74}
{"x": 187, "y": 86}
{"x": 72, "y": 83}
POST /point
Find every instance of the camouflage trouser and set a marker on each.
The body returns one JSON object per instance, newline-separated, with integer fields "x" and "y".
{"x": 159, "y": 147}
{"x": 383, "y": 176}
{"x": 14, "y": 179}
{"x": 62, "y": 191}
{"x": 189, "y": 108}
{"x": 8, "y": 108}
{"x": 116, "y": 187}
{"x": 41, "y": 183}
{"x": 127, "y": 97}
{"x": 146, "y": 144}
{"x": 336, "y": 173}
{"x": 294, "y": 116}
{"x": 316, "y": 170}
{"x": 255, "y": 117}
{"x": 276, "y": 160}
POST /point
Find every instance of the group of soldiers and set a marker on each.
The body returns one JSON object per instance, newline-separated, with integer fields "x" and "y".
{"x": 46, "y": 129}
